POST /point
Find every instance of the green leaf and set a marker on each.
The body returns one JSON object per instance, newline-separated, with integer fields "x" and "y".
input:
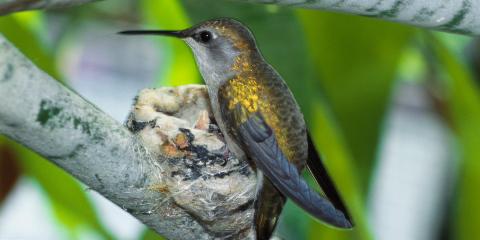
{"x": 356, "y": 60}
{"x": 463, "y": 100}
{"x": 149, "y": 234}
{"x": 340, "y": 164}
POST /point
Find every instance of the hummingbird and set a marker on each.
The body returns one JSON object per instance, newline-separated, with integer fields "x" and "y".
{"x": 261, "y": 122}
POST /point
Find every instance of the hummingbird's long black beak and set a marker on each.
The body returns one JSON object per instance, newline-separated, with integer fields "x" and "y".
{"x": 177, "y": 34}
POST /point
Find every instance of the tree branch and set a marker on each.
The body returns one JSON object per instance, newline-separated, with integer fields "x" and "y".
{"x": 10, "y": 6}
{"x": 460, "y": 16}
{"x": 175, "y": 175}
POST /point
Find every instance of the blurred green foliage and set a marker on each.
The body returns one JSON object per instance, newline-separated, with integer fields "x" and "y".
{"x": 463, "y": 103}
{"x": 181, "y": 65}
{"x": 365, "y": 87}
{"x": 342, "y": 70}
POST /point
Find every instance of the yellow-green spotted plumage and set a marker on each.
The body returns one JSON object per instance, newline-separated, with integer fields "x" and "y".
{"x": 255, "y": 89}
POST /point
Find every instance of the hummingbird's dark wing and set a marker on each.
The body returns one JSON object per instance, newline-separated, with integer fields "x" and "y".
{"x": 319, "y": 172}
{"x": 261, "y": 145}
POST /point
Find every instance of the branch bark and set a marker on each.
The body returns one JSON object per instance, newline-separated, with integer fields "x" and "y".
{"x": 459, "y": 16}
{"x": 183, "y": 186}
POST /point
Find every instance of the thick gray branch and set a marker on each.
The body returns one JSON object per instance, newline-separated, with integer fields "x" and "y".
{"x": 461, "y": 16}
{"x": 10, "y": 6}
{"x": 175, "y": 176}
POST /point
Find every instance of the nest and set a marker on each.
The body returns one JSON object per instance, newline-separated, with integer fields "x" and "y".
{"x": 199, "y": 174}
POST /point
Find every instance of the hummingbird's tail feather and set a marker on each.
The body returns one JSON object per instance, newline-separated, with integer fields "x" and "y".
{"x": 319, "y": 172}
{"x": 268, "y": 206}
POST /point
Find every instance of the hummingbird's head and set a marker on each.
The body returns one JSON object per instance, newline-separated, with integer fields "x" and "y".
{"x": 216, "y": 45}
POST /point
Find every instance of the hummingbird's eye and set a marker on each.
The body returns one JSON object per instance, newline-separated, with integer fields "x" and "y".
{"x": 204, "y": 36}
